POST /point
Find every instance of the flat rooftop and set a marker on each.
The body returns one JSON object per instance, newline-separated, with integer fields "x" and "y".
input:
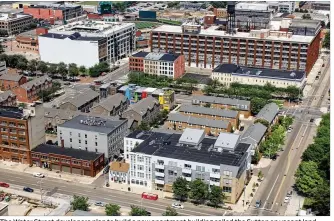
{"x": 70, "y": 152}
{"x": 11, "y": 112}
{"x": 167, "y": 145}
{"x": 93, "y": 124}
{"x": 154, "y": 56}
{"x": 212, "y": 31}
{"x": 75, "y": 36}
{"x": 7, "y": 17}
{"x": 92, "y": 28}
{"x": 260, "y": 72}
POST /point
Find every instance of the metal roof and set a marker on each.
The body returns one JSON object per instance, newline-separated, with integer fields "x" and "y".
{"x": 142, "y": 106}
{"x": 208, "y": 111}
{"x": 111, "y": 102}
{"x": 192, "y": 136}
{"x": 36, "y": 82}
{"x": 241, "y": 104}
{"x": 268, "y": 112}
{"x": 82, "y": 98}
{"x": 254, "y": 134}
{"x": 198, "y": 121}
{"x": 227, "y": 141}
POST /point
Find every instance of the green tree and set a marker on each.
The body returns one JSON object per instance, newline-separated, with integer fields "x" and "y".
{"x": 98, "y": 69}
{"x": 180, "y": 188}
{"x": 326, "y": 42}
{"x": 82, "y": 69}
{"x": 73, "y": 69}
{"x": 144, "y": 126}
{"x": 307, "y": 17}
{"x": 112, "y": 210}
{"x": 42, "y": 67}
{"x": 218, "y": 4}
{"x": 257, "y": 104}
{"x": 216, "y": 196}
{"x": 62, "y": 69}
{"x": 198, "y": 191}
{"x": 256, "y": 157}
{"x": 308, "y": 178}
{"x": 53, "y": 69}
{"x": 262, "y": 121}
{"x": 21, "y": 66}
{"x": 170, "y": 212}
{"x": 137, "y": 211}
{"x": 80, "y": 203}
{"x": 32, "y": 65}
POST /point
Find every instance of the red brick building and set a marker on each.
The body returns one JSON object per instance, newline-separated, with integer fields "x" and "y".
{"x": 207, "y": 48}
{"x": 161, "y": 64}
{"x": 67, "y": 160}
{"x": 29, "y": 40}
{"x": 7, "y": 98}
{"x": 28, "y": 92}
{"x": 10, "y": 81}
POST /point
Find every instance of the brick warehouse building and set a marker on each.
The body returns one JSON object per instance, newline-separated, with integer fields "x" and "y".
{"x": 21, "y": 131}
{"x": 207, "y": 48}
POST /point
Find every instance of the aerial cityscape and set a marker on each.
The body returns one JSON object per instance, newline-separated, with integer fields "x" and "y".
{"x": 145, "y": 108}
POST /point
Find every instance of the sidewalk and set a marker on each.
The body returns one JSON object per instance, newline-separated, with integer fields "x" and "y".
{"x": 18, "y": 167}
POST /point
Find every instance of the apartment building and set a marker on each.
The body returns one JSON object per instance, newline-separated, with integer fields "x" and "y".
{"x": 11, "y": 24}
{"x": 67, "y": 160}
{"x": 88, "y": 43}
{"x": 145, "y": 110}
{"x": 7, "y": 98}
{"x": 21, "y": 131}
{"x": 28, "y": 41}
{"x": 179, "y": 122}
{"x": 243, "y": 106}
{"x": 321, "y": 5}
{"x": 53, "y": 11}
{"x": 207, "y": 48}
{"x": 156, "y": 162}
{"x": 211, "y": 113}
{"x": 93, "y": 134}
{"x": 112, "y": 106}
{"x": 82, "y": 101}
{"x": 9, "y": 81}
{"x": 160, "y": 64}
{"x": 305, "y": 27}
{"x": 269, "y": 113}
{"x": 220, "y": 12}
{"x": 231, "y": 73}
{"x": 119, "y": 172}
{"x": 254, "y": 135}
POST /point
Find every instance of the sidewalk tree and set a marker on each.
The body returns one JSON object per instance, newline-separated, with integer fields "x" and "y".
{"x": 260, "y": 175}
{"x": 170, "y": 212}
{"x": 80, "y": 203}
{"x": 137, "y": 211}
{"x": 198, "y": 191}
{"x": 180, "y": 188}
{"x": 73, "y": 69}
{"x": 216, "y": 196}
{"x": 326, "y": 42}
{"x": 112, "y": 210}
{"x": 308, "y": 178}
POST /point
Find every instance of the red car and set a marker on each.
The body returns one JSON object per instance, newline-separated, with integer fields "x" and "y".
{"x": 6, "y": 185}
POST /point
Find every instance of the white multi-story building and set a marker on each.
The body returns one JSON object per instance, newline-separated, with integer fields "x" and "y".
{"x": 162, "y": 157}
{"x": 231, "y": 73}
{"x": 88, "y": 42}
{"x": 93, "y": 134}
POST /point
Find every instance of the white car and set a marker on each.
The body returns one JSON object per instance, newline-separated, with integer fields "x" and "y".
{"x": 286, "y": 199}
{"x": 39, "y": 175}
{"x": 177, "y": 206}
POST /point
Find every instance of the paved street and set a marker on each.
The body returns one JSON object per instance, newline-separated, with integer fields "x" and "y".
{"x": 55, "y": 187}
{"x": 280, "y": 178}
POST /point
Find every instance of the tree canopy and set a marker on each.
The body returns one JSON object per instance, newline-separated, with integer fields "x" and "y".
{"x": 170, "y": 212}
{"x": 80, "y": 203}
{"x": 216, "y": 196}
{"x": 198, "y": 190}
{"x": 137, "y": 211}
{"x": 180, "y": 188}
{"x": 112, "y": 210}
{"x": 326, "y": 42}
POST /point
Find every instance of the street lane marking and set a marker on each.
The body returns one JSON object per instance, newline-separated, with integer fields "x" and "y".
{"x": 288, "y": 165}
{"x": 264, "y": 205}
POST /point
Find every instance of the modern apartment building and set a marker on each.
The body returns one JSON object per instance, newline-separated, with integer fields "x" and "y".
{"x": 53, "y": 11}
{"x": 157, "y": 161}
{"x": 160, "y": 64}
{"x": 28, "y": 92}
{"x": 207, "y": 48}
{"x": 231, "y": 116}
{"x": 21, "y": 131}
{"x": 93, "y": 134}
{"x": 180, "y": 122}
{"x": 231, "y": 73}
{"x": 88, "y": 42}
{"x": 12, "y": 24}
{"x": 243, "y": 106}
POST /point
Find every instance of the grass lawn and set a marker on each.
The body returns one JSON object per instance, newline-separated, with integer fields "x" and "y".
{"x": 142, "y": 25}
{"x": 170, "y": 22}
{"x": 88, "y": 3}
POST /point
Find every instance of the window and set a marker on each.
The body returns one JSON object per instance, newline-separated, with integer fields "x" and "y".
{"x": 85, "y": 135}
{"x": 85, "y": 141}
{"x": 96, "y": 150}
{"x": 227, "y": 173}
{"x": 86, "y": 148}
{"x": 95, "y": 143}
{"x": 227, "y": 189}
{"x": 70, "y": 139}
{"x": 187, "y": 166}
{"x": 140, "y": 167}
{"x": 170, "y": 172}
{"x": 227, "y": 181}
{"x": 215, "y": 170}
{"x": 70, "y": 133}
{"x": 78, "y": 134}
{"x": 79, "y": 141}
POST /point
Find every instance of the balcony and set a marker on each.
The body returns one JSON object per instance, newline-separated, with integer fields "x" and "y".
{"x": 215, "y": 175}
{"x": 186, "y": 170}
{"x": 214, "y": 183}
{"x": 159, "y": 174}
{"x": 162, "y": 182}
{"x": 160, "y": 166}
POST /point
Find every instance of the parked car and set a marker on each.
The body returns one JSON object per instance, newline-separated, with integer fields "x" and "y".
{"x": 149, "y": 213}
{"x": 39, "y": 175}
{"x": 177, "y": 205}
{"x": 311, "y": 120}
{"x": 28, "y": 189}
{"x": 317, "y": 77}
{"x": 274, "y": 157}
{"x": 289, "y": 129}
{"x": 99, "y": 204}
{"x": 287, "y": 199}
{"x": 258, "y": 203}
{"x": 67, "y": 83}
{"x": 6, "y": 185}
